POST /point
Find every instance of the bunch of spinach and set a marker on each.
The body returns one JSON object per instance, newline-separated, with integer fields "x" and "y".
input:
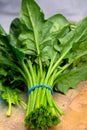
{"x": 41, "y": 51}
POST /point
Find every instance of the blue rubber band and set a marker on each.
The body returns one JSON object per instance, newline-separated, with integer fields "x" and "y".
{"x": 40, "y": 85}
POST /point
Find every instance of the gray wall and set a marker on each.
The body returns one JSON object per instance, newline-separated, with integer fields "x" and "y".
{"x": 74, "y": 10}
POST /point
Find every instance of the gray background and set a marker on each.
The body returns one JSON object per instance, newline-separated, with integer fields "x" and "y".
{"x": 73, "y": 10}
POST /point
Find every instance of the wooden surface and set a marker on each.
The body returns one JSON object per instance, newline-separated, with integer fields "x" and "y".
{"x": 74, "y": 105}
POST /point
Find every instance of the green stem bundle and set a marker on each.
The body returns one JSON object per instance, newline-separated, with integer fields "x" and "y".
{"x": 42, "y": 110}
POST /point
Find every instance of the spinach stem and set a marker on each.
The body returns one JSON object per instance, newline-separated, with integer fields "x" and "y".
{"x": 50, "y": 67}
{"x": 59, "y": 60}
{"x": 31, "y": 71}
{"x": 28, "y": 76}
{"x": 9, "y": 109}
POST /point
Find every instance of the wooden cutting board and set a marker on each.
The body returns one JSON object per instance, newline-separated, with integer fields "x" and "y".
{"x": 74, "y": 105}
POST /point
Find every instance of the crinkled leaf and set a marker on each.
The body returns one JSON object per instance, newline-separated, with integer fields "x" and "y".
{"x": 2, "y": 31}
{"x": 71, "y": 78}
{"x": 15, "y": 30}
{"x": 38, "y": 35}
{"x": 2, "y": 71}
{"x": 59, "y": 21}
{"x": 31, "y": 15}
{"x": 10, "y": 50}
{"x": 9, "y": 94}
{"x": 76, "y": 58}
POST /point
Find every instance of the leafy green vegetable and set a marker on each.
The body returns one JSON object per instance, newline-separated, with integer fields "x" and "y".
{"x": 36, "y": 51}
{"x": 12, "y": 97}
